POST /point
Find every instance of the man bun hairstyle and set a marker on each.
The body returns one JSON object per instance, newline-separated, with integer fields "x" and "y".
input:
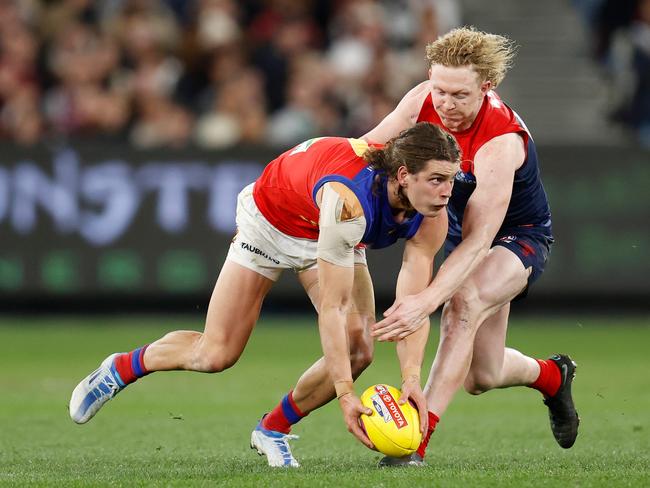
{"x": 413, "y": 148}
{"x": 490, "y": 55}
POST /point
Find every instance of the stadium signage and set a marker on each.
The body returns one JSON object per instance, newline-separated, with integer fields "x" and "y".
{"x": 102, "y": 220}
{"x": 100, "y": 202}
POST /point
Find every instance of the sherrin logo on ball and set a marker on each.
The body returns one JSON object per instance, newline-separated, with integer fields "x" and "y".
{"x": 394, "y": 429}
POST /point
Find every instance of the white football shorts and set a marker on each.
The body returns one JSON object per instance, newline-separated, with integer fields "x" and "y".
{"x": 264, "y": 249}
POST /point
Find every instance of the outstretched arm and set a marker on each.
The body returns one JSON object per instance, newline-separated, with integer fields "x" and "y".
{"x": 495, "y": 164}
{"x": 404, "y": 116}
{"x": 414, "y": 276}
{"x": 342, "y": 226}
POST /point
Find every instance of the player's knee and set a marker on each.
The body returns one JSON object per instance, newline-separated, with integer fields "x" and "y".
{"x": 214, "y": 358}
{"x": 460, "y": 312}
{"x": 361, "y": 359}
{"x": 361, "y": 353}
{"x": 218, "y": 362}
{"x": 478, "y": 382}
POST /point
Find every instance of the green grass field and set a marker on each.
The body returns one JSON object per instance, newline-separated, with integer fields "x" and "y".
{"x": 188, "y": 429}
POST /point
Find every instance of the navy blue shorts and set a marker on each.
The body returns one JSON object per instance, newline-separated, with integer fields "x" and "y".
{"x": 530, "y": 245}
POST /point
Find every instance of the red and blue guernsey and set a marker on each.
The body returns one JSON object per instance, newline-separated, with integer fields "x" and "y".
{"x": 528, "y": 206}
{"x": 285, "y": 193}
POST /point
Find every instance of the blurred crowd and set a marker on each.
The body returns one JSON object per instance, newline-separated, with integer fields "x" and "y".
{"x": 621, "y": 40}
{"x": 167, "y": 73}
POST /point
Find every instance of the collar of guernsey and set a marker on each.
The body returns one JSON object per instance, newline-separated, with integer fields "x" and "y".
{"x": 381, "y": 228}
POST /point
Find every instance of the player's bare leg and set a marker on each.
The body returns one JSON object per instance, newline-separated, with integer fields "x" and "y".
{"x": 234, "y": 308}
{"x": 496, "y": 366}
{"x": 498, "y": 279}
{"x": 493, "y": 364}
{"x": 232, "y": 313}
{"x": 472, "y": 348}
{"x": 314, "y": 388}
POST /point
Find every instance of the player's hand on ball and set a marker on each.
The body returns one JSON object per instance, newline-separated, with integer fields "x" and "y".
{"x": 411, "y": 390}
{"x": 352, "y": 409}
{"x": 403, "y": 318}
{"x": 394, "y": 429}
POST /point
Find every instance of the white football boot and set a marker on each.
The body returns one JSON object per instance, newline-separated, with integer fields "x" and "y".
{"x": 275, "y": 446}
{"x": 94, "y": 391}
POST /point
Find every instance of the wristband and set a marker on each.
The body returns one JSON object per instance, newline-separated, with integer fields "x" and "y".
{"x": 343, "y": 387}
{"x": 410, "y": 372}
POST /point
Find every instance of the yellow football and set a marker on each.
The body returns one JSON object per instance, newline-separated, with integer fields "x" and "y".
{"x": 394, "y": 429}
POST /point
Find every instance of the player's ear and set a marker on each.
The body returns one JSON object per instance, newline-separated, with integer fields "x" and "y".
{"x": 402, "y": 173}
{"x": 486, "y": 86}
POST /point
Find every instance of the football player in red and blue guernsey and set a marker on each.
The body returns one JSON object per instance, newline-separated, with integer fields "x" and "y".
{"x": 499, "y": 235}
{"x": 314, "y": 210}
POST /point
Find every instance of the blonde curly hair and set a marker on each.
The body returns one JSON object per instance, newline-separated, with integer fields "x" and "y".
{"x": 490, "y": 55}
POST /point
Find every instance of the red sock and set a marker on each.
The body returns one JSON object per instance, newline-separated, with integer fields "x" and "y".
{"x": 130, "y": 365}
{"x": 549, "y": 379}
{"x": 433, "y": 421}
{"x": 283, "y": 416}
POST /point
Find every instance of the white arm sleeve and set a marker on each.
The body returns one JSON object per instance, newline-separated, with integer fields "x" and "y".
{"x": 337, "y": 238}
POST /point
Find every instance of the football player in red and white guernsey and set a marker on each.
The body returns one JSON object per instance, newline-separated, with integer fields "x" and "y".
{"x": 314, "y": 210}
{"x": 499, "y": 235}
